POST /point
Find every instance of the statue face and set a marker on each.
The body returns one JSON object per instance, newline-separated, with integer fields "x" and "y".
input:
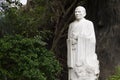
{"x": 80, "y": 12}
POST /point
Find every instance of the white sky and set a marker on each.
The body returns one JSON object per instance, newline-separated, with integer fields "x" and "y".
{"x": 23, "y": 1}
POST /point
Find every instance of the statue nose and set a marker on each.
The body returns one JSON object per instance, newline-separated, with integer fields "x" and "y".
{"x": 78, "y": 13}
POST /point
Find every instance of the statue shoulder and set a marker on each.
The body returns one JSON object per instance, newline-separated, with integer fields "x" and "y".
{"x": 72, "y": 24}
{"x": 88, "y": 21}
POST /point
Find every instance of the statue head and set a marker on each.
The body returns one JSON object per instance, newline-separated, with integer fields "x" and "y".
{"x": 80, "y": 12}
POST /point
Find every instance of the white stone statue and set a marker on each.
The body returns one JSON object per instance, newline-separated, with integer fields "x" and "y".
{"x": 82, "y": 59}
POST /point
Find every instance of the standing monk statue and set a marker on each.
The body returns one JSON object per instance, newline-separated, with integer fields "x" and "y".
{"x": 81, "y": 42}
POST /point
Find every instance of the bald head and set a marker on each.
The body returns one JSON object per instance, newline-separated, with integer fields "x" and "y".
{"x": 80, "y": 12}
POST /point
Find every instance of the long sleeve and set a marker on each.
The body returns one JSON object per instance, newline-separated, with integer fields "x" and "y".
{"x": 92, "y": 36}
{"x": 69, "y": 31}
{"x": 69, "y": 49}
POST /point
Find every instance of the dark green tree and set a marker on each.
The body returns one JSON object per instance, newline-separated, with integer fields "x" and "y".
{"x": 26, "y": 59}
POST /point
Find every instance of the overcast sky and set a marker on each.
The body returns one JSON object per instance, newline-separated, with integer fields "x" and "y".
{"x": 23, "y": 1}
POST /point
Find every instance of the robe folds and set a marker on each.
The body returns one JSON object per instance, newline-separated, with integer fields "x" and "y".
{"x": 81, "y": 56}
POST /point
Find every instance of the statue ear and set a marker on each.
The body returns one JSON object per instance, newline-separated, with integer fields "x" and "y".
{"x": 84, "y": 14}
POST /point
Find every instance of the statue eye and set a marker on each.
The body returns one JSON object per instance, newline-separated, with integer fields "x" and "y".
{"x": 75, "y": 11}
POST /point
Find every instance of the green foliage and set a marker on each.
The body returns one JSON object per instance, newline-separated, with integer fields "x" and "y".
{"x": 17, "y": 22}
{"x": 27, "y": 21}
{"x": 26, "y": 59}
{"x": 116, "y": 76}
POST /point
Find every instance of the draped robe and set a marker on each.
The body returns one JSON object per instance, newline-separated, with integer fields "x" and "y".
{"x": 82, "y": 59}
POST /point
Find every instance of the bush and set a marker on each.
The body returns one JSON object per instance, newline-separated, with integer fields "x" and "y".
{"x": 28, "y": 20}
{"x": 26, "y": 59}
{"x": 116, "y": 76}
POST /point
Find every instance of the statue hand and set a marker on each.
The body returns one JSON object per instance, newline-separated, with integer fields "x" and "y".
{"x": 80, "y": 71}
{"x": 74, "y": 41}
{"x": 74, "y": 35}
{"x": 89, "y": 70}
{"x": 78, "y": 64}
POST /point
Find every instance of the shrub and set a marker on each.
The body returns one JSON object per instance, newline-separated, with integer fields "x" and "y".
{"x": 116, "y": 76}
{"x": 26, "y": 59}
